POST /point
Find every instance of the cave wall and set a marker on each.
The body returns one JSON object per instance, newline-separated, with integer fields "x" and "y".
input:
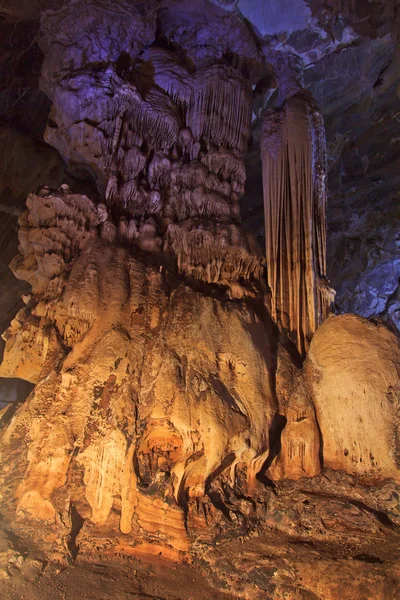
{"x": 364, "y": 208}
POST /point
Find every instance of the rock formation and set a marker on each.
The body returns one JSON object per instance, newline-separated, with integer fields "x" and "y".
{"x": 149, "y": 387}
{"x": 294, "y": 174}
{"x": 366, "y": 355}
{"x": 174, "y": 408}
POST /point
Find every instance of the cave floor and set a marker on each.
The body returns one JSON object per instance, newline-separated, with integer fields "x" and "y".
{"x": 158, "y": 579}
{"x": 266, "y": 566}
{"x": 327, "y": 538}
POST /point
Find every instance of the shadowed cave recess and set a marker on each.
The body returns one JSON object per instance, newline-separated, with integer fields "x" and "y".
{"x": 199, "y": 258}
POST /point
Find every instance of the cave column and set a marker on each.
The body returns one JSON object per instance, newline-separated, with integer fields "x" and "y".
{"x": 293, "y": 151}
{"x": 145, "y": 332}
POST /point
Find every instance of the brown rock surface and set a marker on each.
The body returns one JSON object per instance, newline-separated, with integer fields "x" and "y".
{"x": 153, "y": 385}
{"x": 354, "y": 367}
{"x": 145, "y": 329}
{"x": 321, "y": 538}
{"x": 295, "y": 431}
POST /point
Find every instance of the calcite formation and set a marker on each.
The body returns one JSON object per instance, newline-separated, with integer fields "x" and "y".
{"x": 146, "y": 387}
{"x": 294, "y": 175}
{"x": 358, "y": 411}
{"x": 172, "y": 401}
{"x": 144, "y": 329}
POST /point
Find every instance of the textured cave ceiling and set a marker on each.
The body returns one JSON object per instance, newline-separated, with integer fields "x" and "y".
{"x": 346, "y": 52}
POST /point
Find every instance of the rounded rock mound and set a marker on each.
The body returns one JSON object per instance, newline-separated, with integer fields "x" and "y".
{"x": 353, "y": 366}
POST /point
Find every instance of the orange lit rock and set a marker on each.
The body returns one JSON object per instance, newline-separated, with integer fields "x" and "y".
{"x": 156, "y": 390}
{"x": 294, "y": 181}
{"x": 300, "y": 444}
{"x": 353, "y": 367}
{"x": 173, "y": 415}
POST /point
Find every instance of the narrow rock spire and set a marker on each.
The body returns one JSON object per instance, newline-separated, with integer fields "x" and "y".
{"x": 293, "y": 150}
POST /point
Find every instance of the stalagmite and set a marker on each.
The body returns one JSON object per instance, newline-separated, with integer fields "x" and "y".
{"x": 353, "y": 367}
{"x": 143, "y": 330}
{"x": 294, "y": 174}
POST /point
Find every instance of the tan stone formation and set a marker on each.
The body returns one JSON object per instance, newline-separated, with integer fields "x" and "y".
{"x": 171, "y": 415}
{"x": 143, "y": 383}
{"x": 300, "y": 451}
{"x": 294, "y": 173}
{"x": 340, "y": 409}
{"x": 149, "y": 388}
{"x": 353, "y": 366}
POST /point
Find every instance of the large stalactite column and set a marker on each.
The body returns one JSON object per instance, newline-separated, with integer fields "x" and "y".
{"x": 153, "y": 369}
{"x": 294, "y": 178}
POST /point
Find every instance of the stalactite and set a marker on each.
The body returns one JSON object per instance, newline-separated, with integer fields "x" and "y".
{"x": 294, "y": 172}
{"x": 154, "y": 118}
{"x": 214, "y": 252}
{"x": 221, "y": 110}
{"x": 171, "y": 76}
{"x": 52, "y": 232}
{"x": 134, "y": 161}
{"x": 225, "y": 163}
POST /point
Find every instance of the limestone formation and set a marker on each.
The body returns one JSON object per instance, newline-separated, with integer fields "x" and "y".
{"x": 300, "y": 446}
{"x": 354, "y": 367}
{"x": 144, "y": 330}
{"x": 294, "y": 172}
{"x": 143, "y": 383}
{"x": 188, "y": 394}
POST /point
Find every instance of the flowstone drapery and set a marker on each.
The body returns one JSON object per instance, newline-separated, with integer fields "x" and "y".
{"x": 294, "y": 174}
